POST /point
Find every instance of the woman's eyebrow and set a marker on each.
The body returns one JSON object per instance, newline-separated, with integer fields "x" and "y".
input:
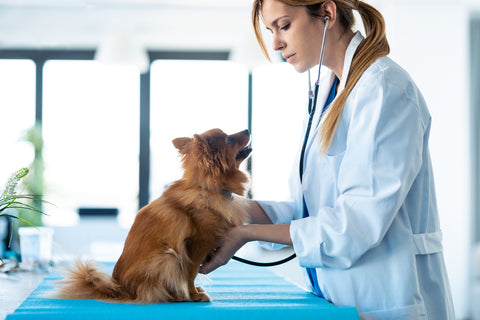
{"x": 275, "y": 22}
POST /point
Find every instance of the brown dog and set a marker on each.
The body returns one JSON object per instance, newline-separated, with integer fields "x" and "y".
{"x": 173, "y": 235}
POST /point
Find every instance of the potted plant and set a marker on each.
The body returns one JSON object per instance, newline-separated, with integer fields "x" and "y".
{"x": 11, "y": 201}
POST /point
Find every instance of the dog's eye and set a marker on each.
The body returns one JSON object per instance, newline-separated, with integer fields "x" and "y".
{"x": 230, "y": 140}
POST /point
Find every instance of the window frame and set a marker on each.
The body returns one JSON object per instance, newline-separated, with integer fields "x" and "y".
{"x": 40, "y": 56}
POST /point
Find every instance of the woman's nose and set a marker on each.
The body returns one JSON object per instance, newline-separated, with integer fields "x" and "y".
{"x": 278, "y": 44}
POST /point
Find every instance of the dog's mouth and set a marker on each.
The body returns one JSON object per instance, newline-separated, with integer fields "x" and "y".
{"x": 244, "y": 153}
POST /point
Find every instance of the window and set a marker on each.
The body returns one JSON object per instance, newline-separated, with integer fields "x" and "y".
{"x": 91, "y": 132}
{"x": 17, "y": 114}
{"x": 91, "y": 125}
{"x": 189, "y": 97}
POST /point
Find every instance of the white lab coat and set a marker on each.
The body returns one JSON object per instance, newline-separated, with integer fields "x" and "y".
{"x": 373, "y": 234}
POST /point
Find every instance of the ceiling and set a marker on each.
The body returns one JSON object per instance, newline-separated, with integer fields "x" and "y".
{"x": 156, "y": 24}
{"x": 70, "y": 3}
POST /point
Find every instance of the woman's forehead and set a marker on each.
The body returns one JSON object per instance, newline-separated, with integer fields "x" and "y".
{"x": 274, "y": 10}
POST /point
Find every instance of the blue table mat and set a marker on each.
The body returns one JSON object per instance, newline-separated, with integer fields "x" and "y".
{"x": 238, "y": 291}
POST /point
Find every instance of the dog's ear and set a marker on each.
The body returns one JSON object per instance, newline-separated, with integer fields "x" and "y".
{"x": 181, "y": 143}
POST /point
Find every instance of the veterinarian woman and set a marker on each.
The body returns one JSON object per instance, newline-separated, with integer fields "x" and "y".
{"x": 362, "y": 217}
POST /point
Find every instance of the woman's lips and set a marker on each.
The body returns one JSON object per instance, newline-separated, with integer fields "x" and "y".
{"x": 289, "y": 58}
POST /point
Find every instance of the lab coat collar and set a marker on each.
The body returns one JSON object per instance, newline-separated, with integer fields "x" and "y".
{"x": 352, "y": 47}
{"x": 325, "y": 89}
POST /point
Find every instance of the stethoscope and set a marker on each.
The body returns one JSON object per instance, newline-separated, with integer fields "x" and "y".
{"x": 312, "y": 101}
{"x": 312, "y": 105}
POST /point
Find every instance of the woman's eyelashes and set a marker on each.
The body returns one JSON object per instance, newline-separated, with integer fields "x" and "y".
{"x": 285, "y": 27}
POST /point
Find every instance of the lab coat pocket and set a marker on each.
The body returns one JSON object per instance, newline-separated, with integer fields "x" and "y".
{"x": 335, "y": 153}
{"x": 332, "y": 166}
{"x": 334, "y": 162}
{"x": 336, "y": 148}
{"x": 339, "y": 142}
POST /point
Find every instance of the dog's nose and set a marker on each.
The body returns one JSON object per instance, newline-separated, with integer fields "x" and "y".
{"x": 246, "y": 132}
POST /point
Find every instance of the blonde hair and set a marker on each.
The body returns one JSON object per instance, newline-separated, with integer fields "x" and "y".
{"x": 374, "y": 46}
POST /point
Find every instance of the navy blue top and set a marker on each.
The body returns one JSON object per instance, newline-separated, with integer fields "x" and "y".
{"x": 331, "y": 95}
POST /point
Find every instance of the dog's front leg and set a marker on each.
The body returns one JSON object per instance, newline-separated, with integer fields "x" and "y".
{"x": 197, "y": 255}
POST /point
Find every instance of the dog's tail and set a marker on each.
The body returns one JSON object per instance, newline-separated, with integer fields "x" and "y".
{"x": 85, "y": 280}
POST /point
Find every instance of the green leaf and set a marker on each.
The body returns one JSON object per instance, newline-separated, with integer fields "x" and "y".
{"x": 29, "y": 209}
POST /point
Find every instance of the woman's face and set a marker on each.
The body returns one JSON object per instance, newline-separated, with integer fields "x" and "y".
{"x": 295, "y": 33}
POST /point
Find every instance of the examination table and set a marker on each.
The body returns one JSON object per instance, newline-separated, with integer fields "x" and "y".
{"x": 238, "y": 291}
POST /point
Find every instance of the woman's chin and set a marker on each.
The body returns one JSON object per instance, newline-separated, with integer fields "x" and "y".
{"x": 301, "y": 68}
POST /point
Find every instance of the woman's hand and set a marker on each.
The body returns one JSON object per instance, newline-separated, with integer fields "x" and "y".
{"x": 236, "y": 237}
{"x": 233, "y": 240}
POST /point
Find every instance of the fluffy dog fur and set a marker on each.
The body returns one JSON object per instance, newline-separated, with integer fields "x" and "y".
{"x": 174, "y": 234}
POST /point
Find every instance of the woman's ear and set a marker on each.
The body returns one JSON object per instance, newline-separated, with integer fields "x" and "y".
{"x": 329, "y": 9}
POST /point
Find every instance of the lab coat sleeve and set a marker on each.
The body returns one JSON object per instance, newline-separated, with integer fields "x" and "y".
{"x": 279, "y": 212}
{"x": 382, "y": 157}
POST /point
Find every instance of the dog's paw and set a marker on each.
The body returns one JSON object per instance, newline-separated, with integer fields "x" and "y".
{"x": 202, "y": 297}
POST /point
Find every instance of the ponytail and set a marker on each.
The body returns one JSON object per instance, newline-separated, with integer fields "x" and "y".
{"x": 374, "y": 46}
